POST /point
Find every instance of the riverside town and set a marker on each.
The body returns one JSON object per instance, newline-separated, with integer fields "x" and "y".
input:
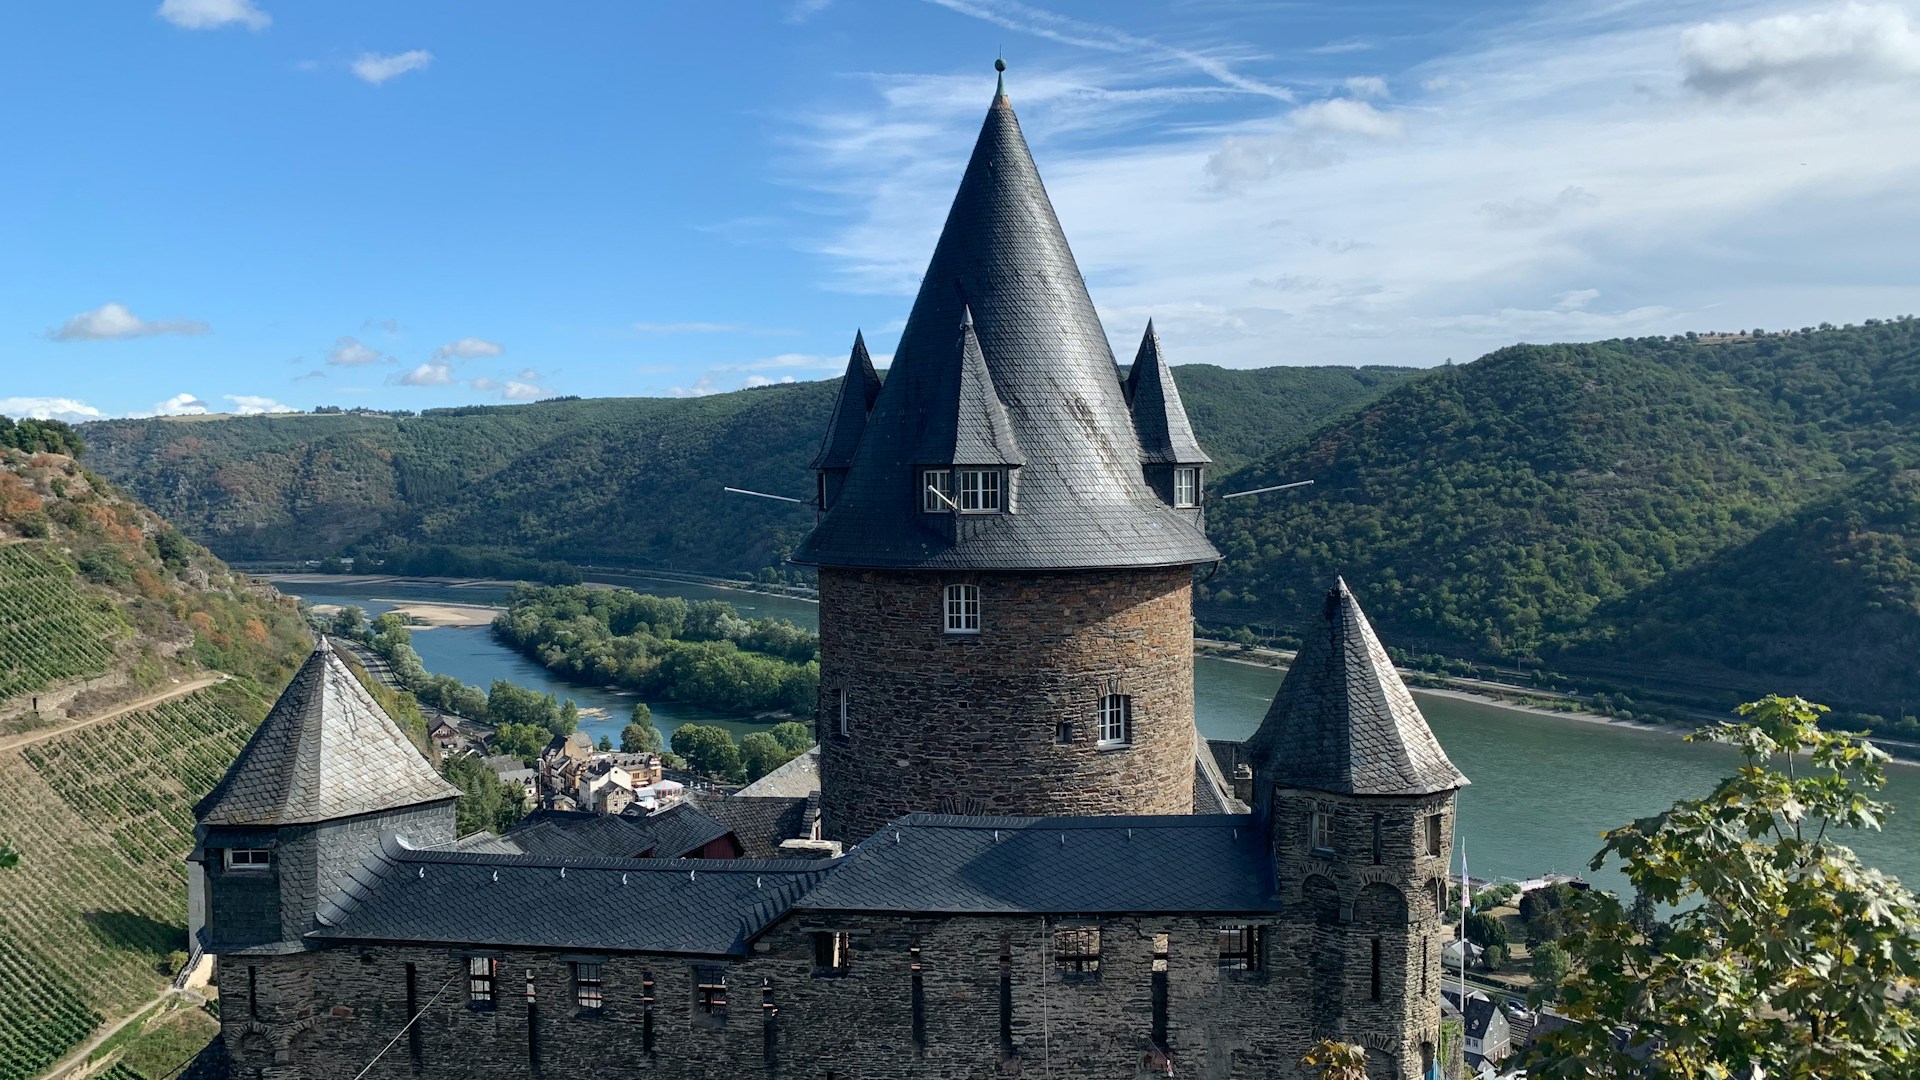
{"x": 643, "y": 541}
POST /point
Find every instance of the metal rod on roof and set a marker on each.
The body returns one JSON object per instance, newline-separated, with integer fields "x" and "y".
{"x": 762, "y": 495}
{"x": 942, "y": 496}
{"x": 1261, "y": 491}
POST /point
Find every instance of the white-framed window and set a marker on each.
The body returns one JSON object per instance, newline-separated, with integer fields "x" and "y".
{"x": 587, "y": 987}
{"x": 249, "y": 858}
{"x": 963, "y": 609}
{"x": 1186, "y": 486}
{"x": 980, "y": 491}
{"x": 936, "y": 490}
{"x": 845, "y": 727}
{"x": 1322, "y": 831}
{"x": 1116, "y": 720}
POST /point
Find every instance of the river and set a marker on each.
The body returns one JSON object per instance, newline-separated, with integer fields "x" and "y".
{"x": 1544, "y": 787}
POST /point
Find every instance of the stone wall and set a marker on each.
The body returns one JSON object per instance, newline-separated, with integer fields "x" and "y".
{"x": 328, "y": 1013}
{"x": 970, "y": 723}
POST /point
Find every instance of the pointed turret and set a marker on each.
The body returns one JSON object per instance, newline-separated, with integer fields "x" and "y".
{"x": 980, "y": 432}
{"x": 327, "y": 750}
{"x": 1082, "y": 501}
{"x": 858, "y": 388}
{"x": 1160, "y": 420}
{"x": 1343, "y": 722}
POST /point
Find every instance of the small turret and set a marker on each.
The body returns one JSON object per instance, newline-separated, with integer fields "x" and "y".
{"x": 858, "y": 388}
{"x": 1170, "y": 455}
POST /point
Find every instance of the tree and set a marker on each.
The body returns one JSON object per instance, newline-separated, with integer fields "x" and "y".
{"x": 604, "y": 745}
{"x": 793, "y": 735}
{"x": 524, "y": 741}
{"x": 1550, "y": 966}
{"x": 1494, "y": 957}
{"x": 640, "y": 737}
{"x": 708, "y": 748}
{"x": 485, "y": 803}
{"x": 9, "y": 858}
{"x": 1336, "y": 1060}
{"x": 1485, "y": 928}
{"x": 1784, "y": 954}
{"x": 761, "y": 753}
{"x": 347, "y": 622}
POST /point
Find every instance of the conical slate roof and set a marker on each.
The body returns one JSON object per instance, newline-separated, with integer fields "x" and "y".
{"x": 1079, "y": 499}
{"x": 1166, "y": 437}
{"x": 1343, "y": 721}
{"x": 327, "y": 750}
{"x": 849, "y": 420}
{"x": 980, "y": 432}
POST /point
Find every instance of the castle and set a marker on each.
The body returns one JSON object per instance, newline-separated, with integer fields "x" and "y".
{"x": 1047, "y": 872}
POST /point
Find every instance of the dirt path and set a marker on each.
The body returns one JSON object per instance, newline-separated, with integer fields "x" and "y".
{"x": 77, "y": 1057}
{"x": 15, "y": 742}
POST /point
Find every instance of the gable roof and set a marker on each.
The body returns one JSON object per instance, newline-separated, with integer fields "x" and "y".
{"x": 943, "y": 864}
{"x": 1080, "y": 499}
{"x": 700, "y": 908}
{"x": 672, "y": 833}
{"x": 327, "y": 750}
{"x": 1342, "y": 721}
{"x": 1160, "y": 420}
{"x": 980, "y": 433}
{"x": 760, "y": 823}
{"x": 858, "y": 388}
{"x": 798, "y": 777}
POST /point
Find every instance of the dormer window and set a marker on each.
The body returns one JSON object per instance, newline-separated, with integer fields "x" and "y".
{"x": 936, "y": 490}
{"x": 1186, "y": 486}
{"x": 249, "y": 858}
{"x": 980, "y": 491}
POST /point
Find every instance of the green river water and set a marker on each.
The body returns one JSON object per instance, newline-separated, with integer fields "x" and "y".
{"x": 1544, "y": 787}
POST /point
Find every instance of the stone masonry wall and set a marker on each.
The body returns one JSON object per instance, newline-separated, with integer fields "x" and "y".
{"x": 968, "y": 723}
{"x": 327, "y": 1014}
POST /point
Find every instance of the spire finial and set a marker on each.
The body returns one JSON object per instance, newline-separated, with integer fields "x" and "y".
{"x": 1000, "y": 89}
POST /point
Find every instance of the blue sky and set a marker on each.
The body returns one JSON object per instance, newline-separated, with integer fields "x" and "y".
{"x": 243, "y": 205}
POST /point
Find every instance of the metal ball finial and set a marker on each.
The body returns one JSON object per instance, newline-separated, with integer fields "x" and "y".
{"x": 999, "y": 65}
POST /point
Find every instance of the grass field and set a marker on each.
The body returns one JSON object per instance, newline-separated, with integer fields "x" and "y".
{"x": 102, "y": 818}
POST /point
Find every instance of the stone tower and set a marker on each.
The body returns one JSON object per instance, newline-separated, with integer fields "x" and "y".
{"x": 299, "y": 810}
{"x": 1005, "y": 598}
{"x": 1359, "y": 800}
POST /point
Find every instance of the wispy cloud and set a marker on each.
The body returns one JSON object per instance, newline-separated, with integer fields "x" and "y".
{"x": 799, "y": 11}
{"x": 214, "y": 14}
{"x": 376, "y": 68}
{"x": 708, "y": 328}
{"x": 351, "y": 352}
{"x": 113, "y": 322}
{"x": 468, "y": 348}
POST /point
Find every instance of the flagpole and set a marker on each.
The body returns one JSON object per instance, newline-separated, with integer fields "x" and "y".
{"x": 1466, "y": 900}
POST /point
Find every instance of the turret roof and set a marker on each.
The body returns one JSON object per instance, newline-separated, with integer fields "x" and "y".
{"x": 1166, "y": 436}
{"x": 326, "y": 750}
{"x": 849, "y": 420}
{"x": 1343, "y": 721}
{"x": 1079, "y": 499}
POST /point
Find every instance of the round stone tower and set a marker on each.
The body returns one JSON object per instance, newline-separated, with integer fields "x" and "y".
{"x": 1006, "y": 543}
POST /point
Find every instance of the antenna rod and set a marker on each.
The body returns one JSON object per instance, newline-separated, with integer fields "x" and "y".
{"x": 764, "y": 495}
{"x": 942, "y": 496}
{"x": 1264, "y": 490}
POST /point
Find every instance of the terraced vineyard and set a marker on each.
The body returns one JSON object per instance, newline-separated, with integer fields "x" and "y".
{"x": 102, "y": 818}
{"x": 50, "y": 629}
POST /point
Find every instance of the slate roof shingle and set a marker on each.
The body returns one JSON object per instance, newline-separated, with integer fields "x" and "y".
{"x": 1159, "y": 418}
{"x": 798, "y": 777}
{"x": 941, "y": 864}
{"x": 326, "y": 750}
{"x": 760, "y": 823}
{"x": 1343, "y": 722}
{"x": 1080, "y": 500}
{"x": 849, "y": 420}
{"x": 700, "y": 908}
{"x": 672, "y": 833}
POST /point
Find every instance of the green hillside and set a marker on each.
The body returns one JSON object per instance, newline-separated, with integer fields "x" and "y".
{"x": 1649, "y": 508}
{"x": 612, "y": 480}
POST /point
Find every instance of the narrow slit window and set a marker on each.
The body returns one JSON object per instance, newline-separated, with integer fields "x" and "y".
{"x": 845, "y": 729}
{"x": 936, "y": 490}
{"x": 586, "y": 987}
{"x": 963, "y": 609}
{"x": 1063, "y": 732}
{"x": 480, "y": 972}
{"x": 1076, "y": 950}
{"x": 1116, "y": 720}
{"x": 1376, "y": 969}
{"x": 1322, "y": 831}
{"x": 1379, "y": 840}
{"x": 832, "y": 954}
{"x": 1186, "y": 487}
{"x": 979, "y": 491}
{"x": 1240, "y": 948}
{"x": 710, "y": 988}
{"x": 1433, "y": 834}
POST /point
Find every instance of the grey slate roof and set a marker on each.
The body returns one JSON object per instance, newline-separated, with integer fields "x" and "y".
{"x": 849, "y": 420}
{"x": 563, "y": 834}
{"x": 941, "y": 864}
{"x": 1212, "y": 789}
{"x": 682, "y": 829}
{"x": 1080, "y": 498}
{"x": 980, "y": 433}
{"x": 326, "y": 750}
{"x": 700, "y": 908}
{"x": 759, "y": 823}
{"x": 800, "y": 777}
{"x": 1343, "y": 721}
{"x": 1160, "y": 420}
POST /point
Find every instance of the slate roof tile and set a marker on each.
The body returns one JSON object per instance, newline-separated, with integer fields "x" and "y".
{"x": 800, "y": 776}
{"x": 760, "y": 823}
{"x": 1159, "y": 418}
{"x": 849, "y": 420}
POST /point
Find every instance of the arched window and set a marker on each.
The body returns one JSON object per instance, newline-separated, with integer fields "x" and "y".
{"x": 963, "y": 609}
{"x": 1116, "y": 720}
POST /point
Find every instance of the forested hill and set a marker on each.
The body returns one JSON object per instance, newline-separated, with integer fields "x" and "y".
{"x": 1742, "y": 513}
{"x": 608, "y": 480}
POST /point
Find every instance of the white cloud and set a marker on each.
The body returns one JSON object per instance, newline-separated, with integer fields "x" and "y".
{"x": 484, "y": 383}
{"x": 708, "y": 328}
{"x": 468, "y": 348}
{"x": 425, "y": 375}
{"x": 376, "y": 69}
{"x": 762, "y": 380}
{"x": 1348, "y": 117}
{"x": 252, "y": 405}
{"x": 800, "y": 11}
{"x": 1524, "y": 213}
{"x": 528, "y": 375}
{"x": 1367, "y": 86}
{"x": 1575, "y": 299}
{"x": 213, "y": 14}
{"x": 349, "y": 352}
{"x": 522, "y": 391}
{"x": 701, "y": 387}
{"x": 110, "y": 322}
{"x": 1847, "y": 42}
{"x": 50, "y": 408}
{"x": 181, "y": 404}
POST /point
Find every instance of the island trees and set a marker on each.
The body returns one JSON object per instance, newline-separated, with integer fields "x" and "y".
{"x": 1788, "y": 958}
